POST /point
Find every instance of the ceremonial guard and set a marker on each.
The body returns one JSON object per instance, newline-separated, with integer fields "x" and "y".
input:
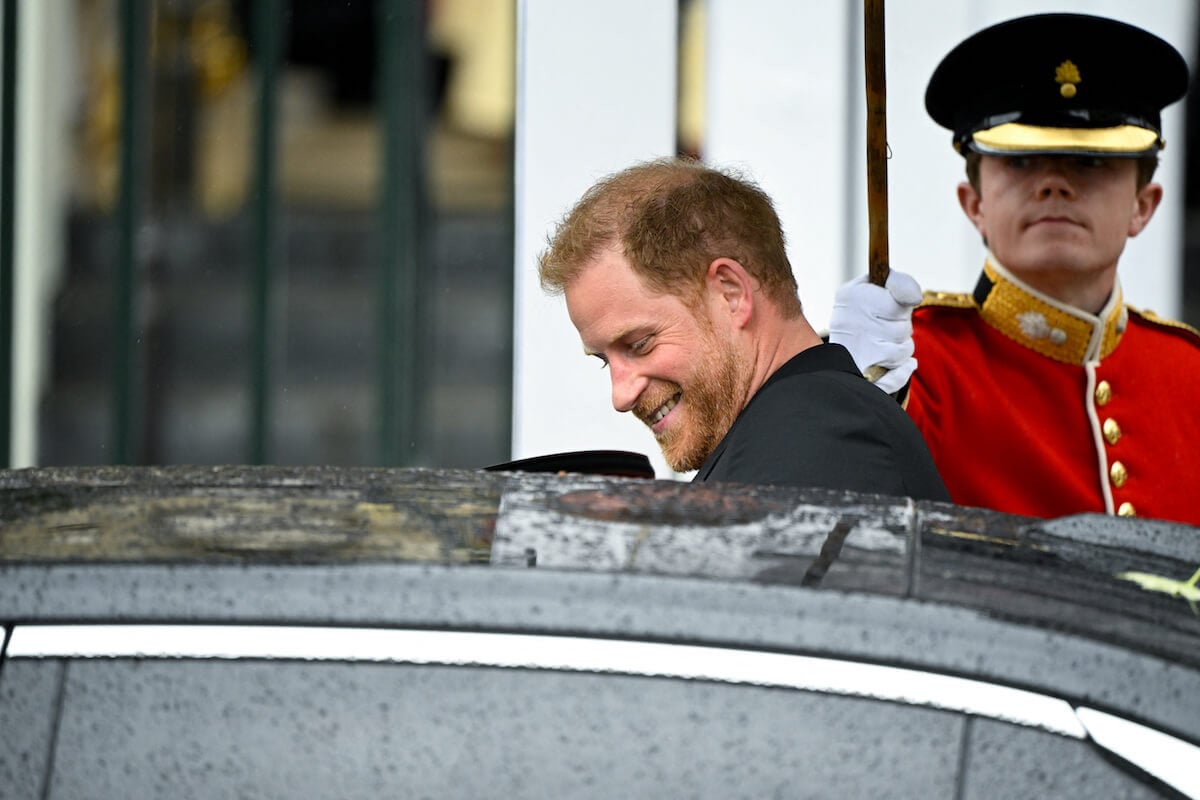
{"x": 1041, "y": 392}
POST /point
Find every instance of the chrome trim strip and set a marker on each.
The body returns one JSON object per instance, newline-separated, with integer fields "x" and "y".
{"x": 574, "y": 654}
{"x": 1167, "y": 758}
{"x": 1171, "y": 760}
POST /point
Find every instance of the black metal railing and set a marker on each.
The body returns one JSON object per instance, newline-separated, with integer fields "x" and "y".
{"x": 127, "y": 432}
{"x": 399, "y": 321}
{"x": 399, "y": 325}
{"x": 268, "y": 22}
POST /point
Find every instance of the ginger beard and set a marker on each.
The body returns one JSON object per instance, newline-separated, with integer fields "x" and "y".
{"x": 707, "y": 405}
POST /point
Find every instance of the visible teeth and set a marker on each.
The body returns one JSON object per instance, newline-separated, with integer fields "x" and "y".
{"x": 664, "y": 410}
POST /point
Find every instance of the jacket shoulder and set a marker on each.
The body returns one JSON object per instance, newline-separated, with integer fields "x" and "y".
{"x": 947, "y": 300}
{"x": 1170, "y": 325}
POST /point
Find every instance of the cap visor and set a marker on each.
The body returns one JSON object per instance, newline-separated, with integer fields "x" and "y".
{"x": 1013, "y": 138}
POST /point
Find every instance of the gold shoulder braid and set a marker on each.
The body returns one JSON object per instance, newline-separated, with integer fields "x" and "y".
{"x": 948, "y": 299}
{"x": 1150, "y": 316}
{"x": 1045, "y": 325}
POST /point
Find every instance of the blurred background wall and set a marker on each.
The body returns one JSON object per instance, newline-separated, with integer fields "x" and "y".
{"x": 303, "y": 231}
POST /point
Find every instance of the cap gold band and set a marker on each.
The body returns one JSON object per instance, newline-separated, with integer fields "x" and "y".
{"x": 1015, "y": 138}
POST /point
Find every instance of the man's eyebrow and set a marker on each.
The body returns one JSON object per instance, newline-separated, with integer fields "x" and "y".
{"x": 636, "y": 331}
{"x": 640, "y": 329}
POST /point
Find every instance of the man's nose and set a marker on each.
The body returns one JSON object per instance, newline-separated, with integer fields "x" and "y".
{"x": 1053, "y": 180}
{"x": 627, "y": 385}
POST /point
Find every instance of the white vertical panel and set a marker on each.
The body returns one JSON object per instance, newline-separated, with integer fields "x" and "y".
{"x": 929, "y": 236}
{"x": 595, "y": 93}
{"x": 46, "y": 73}
{"x": 777, "y": 109}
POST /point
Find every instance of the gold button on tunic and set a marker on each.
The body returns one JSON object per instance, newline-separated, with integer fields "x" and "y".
{"x": 1118, "y": 474}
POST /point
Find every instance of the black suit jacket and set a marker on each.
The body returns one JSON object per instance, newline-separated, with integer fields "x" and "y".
{"x": 818, "y": 422}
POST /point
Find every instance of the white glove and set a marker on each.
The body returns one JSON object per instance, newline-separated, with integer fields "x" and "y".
{"x": 875, "y": 324}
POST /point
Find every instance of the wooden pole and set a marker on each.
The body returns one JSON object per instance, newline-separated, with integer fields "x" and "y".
{"x": 877, "y": 200}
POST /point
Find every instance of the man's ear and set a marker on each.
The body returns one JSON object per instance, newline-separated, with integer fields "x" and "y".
{"x": 1145, "y": 203}
{"x": 730, "y": 291}
{"x": 971, "y": 203}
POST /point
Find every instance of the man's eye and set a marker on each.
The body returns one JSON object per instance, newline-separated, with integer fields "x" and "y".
{"x": 602, "y": 359}
{"x": 640, "y": 346}
{"x": 1018, "y": 162}
{"x": 1090, "y": 162}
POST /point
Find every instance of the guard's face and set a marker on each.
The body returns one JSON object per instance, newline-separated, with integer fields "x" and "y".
{"x": 1055, "y": 221}
{"x": 668, "y": 364}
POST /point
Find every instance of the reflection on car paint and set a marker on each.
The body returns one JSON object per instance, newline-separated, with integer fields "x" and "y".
{"x": 1188, "y": 589}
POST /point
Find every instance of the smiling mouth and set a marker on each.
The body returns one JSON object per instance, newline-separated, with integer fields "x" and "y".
{"x": 663, "y": 410}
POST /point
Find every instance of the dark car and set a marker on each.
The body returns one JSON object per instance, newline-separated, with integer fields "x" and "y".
{"x": 290, "y": 632}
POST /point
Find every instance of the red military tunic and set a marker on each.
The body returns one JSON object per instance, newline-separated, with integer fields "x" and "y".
{"x": 1032, "y": 407}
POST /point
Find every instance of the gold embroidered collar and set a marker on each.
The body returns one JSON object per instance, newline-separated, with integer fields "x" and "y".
{"x": 1045, "y": 325}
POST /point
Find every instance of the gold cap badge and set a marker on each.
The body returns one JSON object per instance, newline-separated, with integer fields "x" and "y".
{"x": 1067, "y": 75}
